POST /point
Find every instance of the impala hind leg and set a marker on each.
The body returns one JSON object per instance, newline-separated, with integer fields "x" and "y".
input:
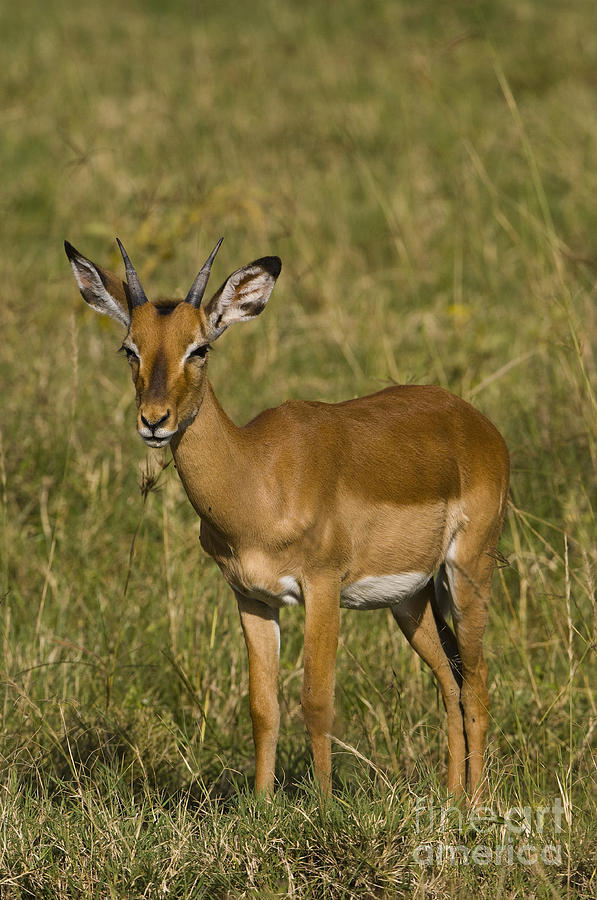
{"x": 262, "y": 637}
{"x": 431, "y": 637}
{"x": 469, "y": 573}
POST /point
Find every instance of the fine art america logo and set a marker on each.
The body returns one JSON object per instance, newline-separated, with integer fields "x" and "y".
{"x": 521, "y": 835}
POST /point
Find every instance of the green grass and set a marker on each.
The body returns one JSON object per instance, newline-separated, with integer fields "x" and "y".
{"x": 427, "y": 174}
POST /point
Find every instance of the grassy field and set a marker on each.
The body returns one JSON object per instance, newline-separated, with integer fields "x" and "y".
{"x": 427, "y": 173}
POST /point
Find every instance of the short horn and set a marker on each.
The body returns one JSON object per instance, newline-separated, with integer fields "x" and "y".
{"x": 137, "y": 294}
{"x": 195, "y": 295}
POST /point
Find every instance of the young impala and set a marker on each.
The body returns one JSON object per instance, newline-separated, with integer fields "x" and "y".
{"x": 356, "y": 505}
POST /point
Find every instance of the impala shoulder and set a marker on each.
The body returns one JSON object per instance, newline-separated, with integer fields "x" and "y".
{"x": 287, "y": 417}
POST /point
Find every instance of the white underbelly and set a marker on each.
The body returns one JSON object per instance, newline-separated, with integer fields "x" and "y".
{"x": 380, "y": 591}
{"x": 374, "y": 592}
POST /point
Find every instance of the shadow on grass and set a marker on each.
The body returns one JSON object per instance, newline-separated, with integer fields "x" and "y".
{"x": 133, "y": 756}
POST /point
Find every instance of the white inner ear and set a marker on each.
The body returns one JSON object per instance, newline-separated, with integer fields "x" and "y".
{"x": 94, "y": 292}
{"x": 257, "y": 290}
{"x": 243, "y": 297}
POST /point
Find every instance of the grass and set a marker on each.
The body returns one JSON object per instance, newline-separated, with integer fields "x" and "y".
{"x": 426, "y": 172}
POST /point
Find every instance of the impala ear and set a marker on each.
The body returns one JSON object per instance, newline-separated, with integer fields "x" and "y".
{"x": 104, "y": 291}
{"x": 243, "y": 295}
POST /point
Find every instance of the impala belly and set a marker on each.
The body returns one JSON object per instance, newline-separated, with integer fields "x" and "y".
{"x": 380, "y": 543}
{"x": 376, "y": 592}
{"x": 380, "y": 591}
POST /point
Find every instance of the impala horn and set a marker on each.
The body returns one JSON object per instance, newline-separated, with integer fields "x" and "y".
{"x": 136, "y": 292}
{"x": 195, "y": 295}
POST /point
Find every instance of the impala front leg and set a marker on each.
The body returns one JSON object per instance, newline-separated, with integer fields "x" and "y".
{"x": 262, "y": 637}
{"x": 322, "y": 616}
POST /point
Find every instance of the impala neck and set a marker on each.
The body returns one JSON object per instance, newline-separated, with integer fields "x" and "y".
{"x": 216, "y": 468}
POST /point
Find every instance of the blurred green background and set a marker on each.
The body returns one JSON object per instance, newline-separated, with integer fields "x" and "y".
{"x": 427, "y": 173}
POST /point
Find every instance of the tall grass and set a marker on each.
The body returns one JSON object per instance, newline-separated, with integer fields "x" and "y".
{"x": 427, "y": 174}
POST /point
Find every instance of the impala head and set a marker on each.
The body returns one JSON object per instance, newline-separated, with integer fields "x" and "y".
{"x": 167, "y": 342}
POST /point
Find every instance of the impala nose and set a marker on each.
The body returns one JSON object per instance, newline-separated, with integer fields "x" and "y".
{"x": 157, "y": 422}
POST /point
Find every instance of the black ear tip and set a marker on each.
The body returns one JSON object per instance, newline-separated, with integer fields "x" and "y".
{"x": 272, "y": 265}
{"x": 70, "y": 250}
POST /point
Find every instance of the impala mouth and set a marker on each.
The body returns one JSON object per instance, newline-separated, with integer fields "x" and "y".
{"x": 156, "y": 442}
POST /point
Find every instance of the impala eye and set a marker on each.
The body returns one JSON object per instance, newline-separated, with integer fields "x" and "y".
{"x": 130, "y": 354}
{"x": 199, "y": 352}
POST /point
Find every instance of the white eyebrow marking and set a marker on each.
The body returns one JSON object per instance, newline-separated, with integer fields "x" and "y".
{"x": 192, "y": 347}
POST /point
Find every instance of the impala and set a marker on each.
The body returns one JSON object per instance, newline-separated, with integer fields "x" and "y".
{"x": 392, "y": 500}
